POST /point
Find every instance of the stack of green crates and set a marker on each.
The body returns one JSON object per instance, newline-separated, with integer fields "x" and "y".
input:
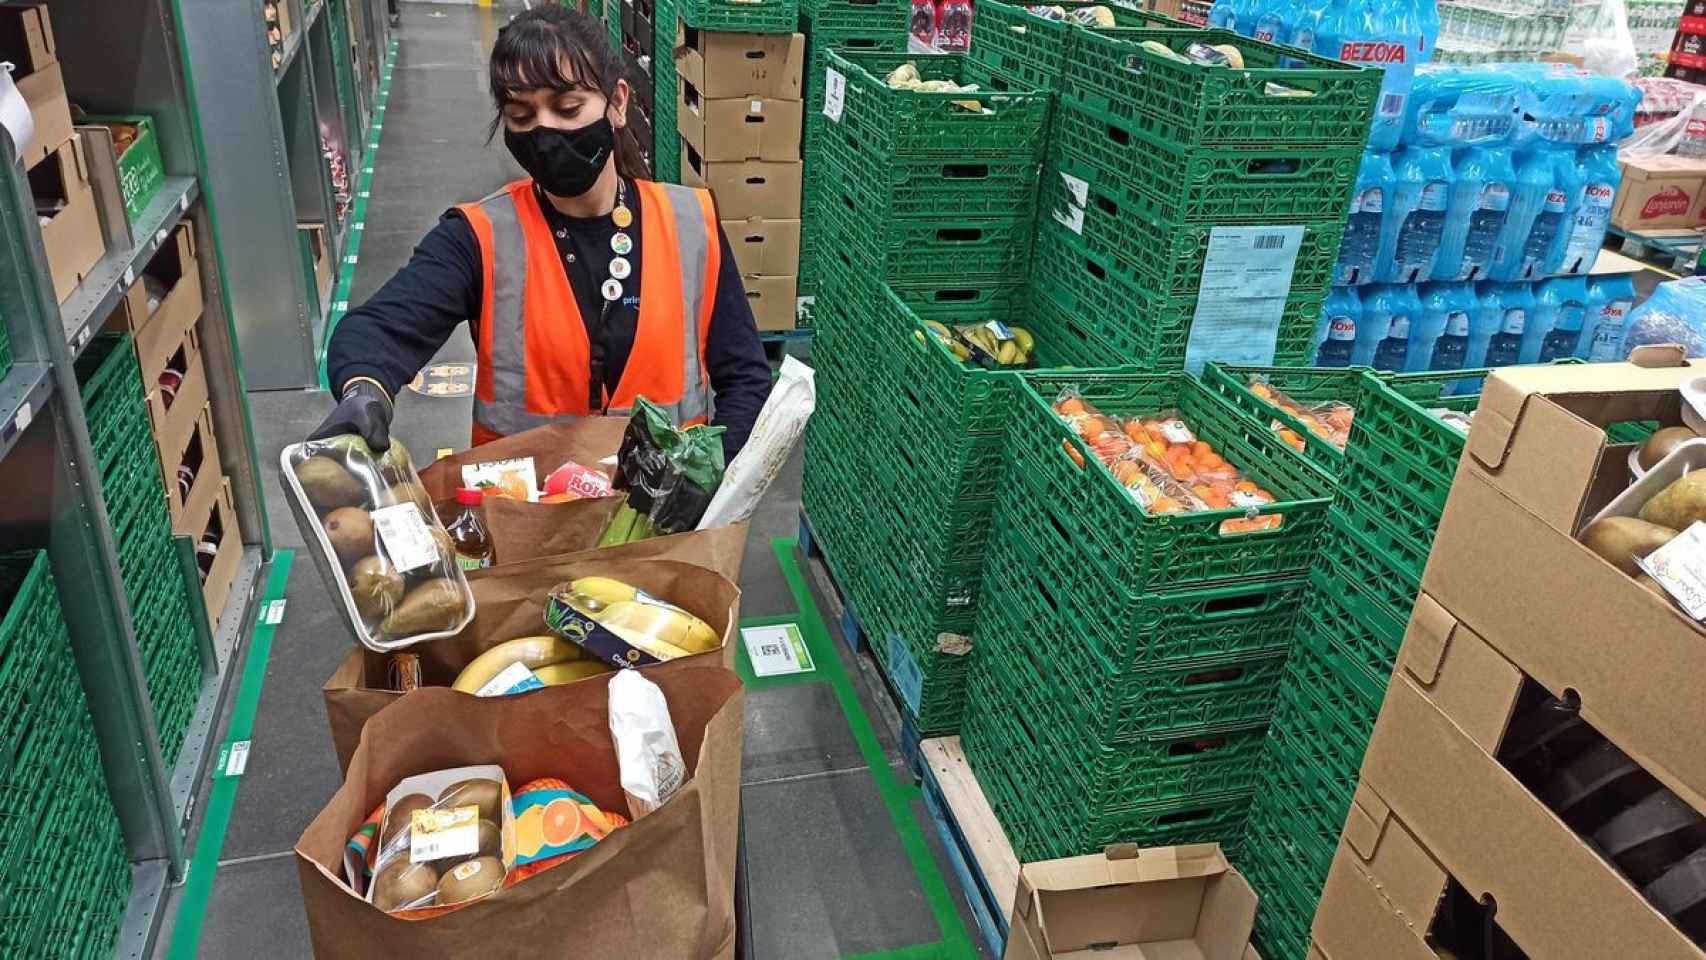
{"x": 1011, "y": 46}
{"x": 1149, "y": 156}
{"x": 928, "y": 207}
{"x": 1392, "y": 481}
{"x": 67, "y": 874}
{"x": 1127, "y": 664}
{"x": 859, "y": 26}
{"x": 166, "y": 635}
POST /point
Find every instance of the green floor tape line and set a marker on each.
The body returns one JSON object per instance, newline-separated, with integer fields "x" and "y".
{"x": 897, "y": 797}
{"x": 358, "y": 210}
{"x": 192, "y": 905}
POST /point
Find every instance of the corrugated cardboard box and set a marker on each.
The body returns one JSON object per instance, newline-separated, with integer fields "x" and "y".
{"x": 1659, "y": 192}
{"x": 1506, "y": 565}
{"x": 765, "y": 247}
{"x": 72, "y": 235}
{"x": 1431, "y": 785}
{"x": 755, "y": 128}
{"x": 722, "y": 65}
{"x": 161, "y": 331}
{"x": 772, "y": 301}
{"x": 26, "y": 41}
{"x": 1182, "y": 902}
{"x": 750, "y": 188}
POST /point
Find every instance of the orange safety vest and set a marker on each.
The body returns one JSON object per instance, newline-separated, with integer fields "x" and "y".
{"x": 534, "y": 358}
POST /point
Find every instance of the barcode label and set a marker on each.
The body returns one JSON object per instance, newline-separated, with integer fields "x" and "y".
{"x": 1391, "y": 104}
{"x": 1270, "y": 241}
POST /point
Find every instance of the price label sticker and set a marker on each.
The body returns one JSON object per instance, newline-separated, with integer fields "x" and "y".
{"x": 1243, "y": 498}
{"x": 408, "y": 541}
{"x": 515, "y": 678}
{"x": 237, "y": 759}
{"x": 1176, "y": 432}
{"x": 1680, "y": 567}
{"x": 777, "y": 650}
{"x": 184, "y": 203}
{"x": 438, "y": 834}
{"x": 129, "y": 276}
{"x": 757, "y": 106}
{"x": 834, "y": 94}
{"x": 22, "y": 420}
{"x": 1000, "y": 330}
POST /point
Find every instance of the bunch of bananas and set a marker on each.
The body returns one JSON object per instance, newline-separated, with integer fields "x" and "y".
{"x": 982, "y": 343}
{"x": 642, "y": 621}
{"x": 553, "y": 660}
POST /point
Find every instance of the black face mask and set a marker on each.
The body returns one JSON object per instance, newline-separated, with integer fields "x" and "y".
{"x": 565, "y": 162}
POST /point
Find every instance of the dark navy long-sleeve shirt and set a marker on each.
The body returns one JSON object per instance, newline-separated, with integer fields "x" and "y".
{"x": 392, "y": 336}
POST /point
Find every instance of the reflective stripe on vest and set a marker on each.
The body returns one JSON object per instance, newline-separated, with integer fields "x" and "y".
{"x": 533, "y": 374}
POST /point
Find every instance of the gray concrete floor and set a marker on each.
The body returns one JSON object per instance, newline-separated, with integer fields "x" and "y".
{"x": 826, "y": 871}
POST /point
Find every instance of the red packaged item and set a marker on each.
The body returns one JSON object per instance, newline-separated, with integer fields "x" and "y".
{"x": 953, "y": 25}
{"x": 922, "y": 22}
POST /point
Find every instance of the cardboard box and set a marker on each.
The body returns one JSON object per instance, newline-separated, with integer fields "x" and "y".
{"x": 1182, "y": 902}
{"x": 772, "y": 301}
{"x": 724, "y": 65}
{"x": 213, "y": 524}
{"x": 320, "y": 256}
{"x": 26, "y": 41}
{"x": 136, "y": 158}
{"x": 1505, "y": 563}
{"x": 160, "y": 331}
{"x": 174, "y": 421}
{"x": 754, "y": 128}
{"x": 765, "y": 247}
{"x": 200, "y": 454}
{"x": 1430, "y": 781}
{"x": 746, "y": 189}
{"x": 72, "y": 237}
{"x": 1659, "y": 192}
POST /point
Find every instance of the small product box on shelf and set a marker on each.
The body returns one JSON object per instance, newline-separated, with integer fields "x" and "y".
{"x": 26, "y": 42}
{"x": 317, "y": 250}
{"x": 765, "y": 248}
{"x": 71, "y": 231}
{"x": 192, "y": 472}
{"x": 218, "y": 548}
{"x": 135, "y": 157}
{"x": 741, "y": 128}
{"x": 177, "y": 394}
{"x": 1660, "y": 193}
{"x": 748, "y": 188}
{"x": 724, "y": 65}
{"x": 163, "y": 304}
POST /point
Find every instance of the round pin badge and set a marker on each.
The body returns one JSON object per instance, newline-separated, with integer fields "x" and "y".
{"x": 622, "y": 217}
{"x": 612, "y": 289}
{"x": 621, "y": 244}
{"x": 620, "y": 268}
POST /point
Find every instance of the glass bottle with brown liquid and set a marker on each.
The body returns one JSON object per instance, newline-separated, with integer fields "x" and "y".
{"x": 468, "y": 531}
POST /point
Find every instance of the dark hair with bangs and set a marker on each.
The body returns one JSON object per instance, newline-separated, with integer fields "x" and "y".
{"x": 554, "y": 48}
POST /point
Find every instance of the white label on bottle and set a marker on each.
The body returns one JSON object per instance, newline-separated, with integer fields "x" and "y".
{"x": 834, "y": 94}
{"x": 1433, "y": 198}
{"x": 407, "y": 539}
{"x": 1400, "y": 327}
{"x": 1680, "y": 567}
{"x": 1372, "y": 200}
{"x": 437, "y": 834}
{"x": 1495, "y": 196}
{"x": 1515, "y": 321}
{"x": 1341, "y": 328}
{"x": 1457, "y": 324}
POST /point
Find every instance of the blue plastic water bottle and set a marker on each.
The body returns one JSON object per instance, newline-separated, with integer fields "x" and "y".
{"x": 1515, "y": 309}
{"x": 1480, "y": 204}
{"x": 1447, "y": 308}
{"x": 1335, "y": 335}
{"x": 1394, "y": 35}
{"x": 1537, "y": 208}
{"x": 1590, "y": 217}
{"x": 1416, "y": 222}
{"x": 1609, "y": 301}
{"x": 1360, "y": 250}
{"x": 1383, "y": 340}
{"x": 1562, "y": 303}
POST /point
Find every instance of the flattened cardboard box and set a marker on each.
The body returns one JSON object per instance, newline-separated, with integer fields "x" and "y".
{"x": 723, "y": 65}
{"x": 743, "y": 128}
{"x": 1184, "y": 902}
{"x": 1430, "y": 767}
{"x": 768, "y": 248}
{"x": 1536, "y": 468}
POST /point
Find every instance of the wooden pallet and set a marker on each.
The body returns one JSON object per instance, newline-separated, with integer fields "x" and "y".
{"x": 978, "y": 851}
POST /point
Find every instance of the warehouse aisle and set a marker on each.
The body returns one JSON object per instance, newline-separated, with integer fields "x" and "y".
{"x": 841, "y": 858}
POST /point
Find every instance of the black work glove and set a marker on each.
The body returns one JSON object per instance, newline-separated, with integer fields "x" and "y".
{"x": 364, "y": 411}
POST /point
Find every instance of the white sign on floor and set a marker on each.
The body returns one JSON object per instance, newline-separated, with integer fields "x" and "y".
{"x": 777, "y": 650}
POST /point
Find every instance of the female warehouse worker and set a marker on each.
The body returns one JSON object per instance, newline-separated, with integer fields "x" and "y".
{"x": 584, "y": 287}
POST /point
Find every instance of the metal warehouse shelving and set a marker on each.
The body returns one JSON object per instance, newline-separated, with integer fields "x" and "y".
{"x": 201, "y": 69}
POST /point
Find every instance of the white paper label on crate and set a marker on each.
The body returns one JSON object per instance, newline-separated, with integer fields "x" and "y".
{"x": 437, "y": 834}
{"x": 834, "y": 94}
{"x": 237, "y": 760}
{"x": 1680, "y": 567}
{"x": 15, "y": 113}
{"x": 408, "y": 540}
{"x": 777, "y": 651}
{"x": 1072, "y": 218}
{"x": 515, "y": 678}
{"x": 1078, "y": 187}
{"x": 1246, "y": 278}
{"x": 22, "y": 420}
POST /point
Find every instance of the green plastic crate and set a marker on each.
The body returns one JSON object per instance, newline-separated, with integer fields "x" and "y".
{"x": 140, "y": 171}
{"x": 939, "y": 251}
{"x": 830, "y": 19}
{"x": 1010, "y": 41}
{"x": 904, "y": 123}
{"x": 1145, "y": 553}
{"x": 1191, "y": 104}
{"x": 1288, "y": 895}
{"x": 1301, "y": 803}
{"x": 1407, "y": 447}
{"x": 1165, "y": 257}
{"x": 881, "y": 188}
{"x": 741, "y": 16}
{"x": 1172, "y": 184}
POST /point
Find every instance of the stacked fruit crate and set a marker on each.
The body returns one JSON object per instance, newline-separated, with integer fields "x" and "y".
{"x": 928, "y": 207}
{"x": 1174, "y": 189}
{"x": 67, "y": 875}
{"x": 858, "y": 26}
{"x": 1392, "y": 479}
{"x": 1127, "y": 663}
{"x": 148, "y": 559}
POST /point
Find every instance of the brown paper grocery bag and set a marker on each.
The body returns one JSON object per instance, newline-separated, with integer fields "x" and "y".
{"x": 510, "y": 603}
{"x": 661, "y": 887}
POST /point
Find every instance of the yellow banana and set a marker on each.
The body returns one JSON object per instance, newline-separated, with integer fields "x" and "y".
{"x": 673, "y": 630}
{"x": 938, "y": 330}
{"x": 531, "y": 652}
{"x": 1009, "y": 354}
{"x": 600, "y": 592}
{"x": 557, "y": 674}
{"x": 1023, "y": 338}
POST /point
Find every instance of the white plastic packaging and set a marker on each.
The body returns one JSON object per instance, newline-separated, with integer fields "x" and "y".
{"x": 780, "y": 424}
{"x": 646, "y": 749}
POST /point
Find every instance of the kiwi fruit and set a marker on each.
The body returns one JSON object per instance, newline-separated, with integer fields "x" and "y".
{"x": 351, "y": 531}
{"x": 328, "y": 485}
{"x": 397, "y": 818}
{"x": 1680, "y": 504}
{"x": 1620, "y": 541}
{"x": 486, "y": 794}
{"x": 408, "y": 491}
{"x": 376, "y": 586}
{"x": 470, "y": 879}
{"x": 1660, "y": 444}
{"x": 491, "y": 839}
{"x": 400, "y": 883}
{"x": 433, "y": 606}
